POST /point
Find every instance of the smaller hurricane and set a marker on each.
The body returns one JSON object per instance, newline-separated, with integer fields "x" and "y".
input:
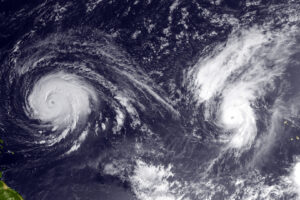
{"x": 61, "y": 100}
{"x": 238, "y": 74}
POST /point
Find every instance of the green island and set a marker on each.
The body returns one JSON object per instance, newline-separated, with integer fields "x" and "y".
{"x": 6, "y": 193}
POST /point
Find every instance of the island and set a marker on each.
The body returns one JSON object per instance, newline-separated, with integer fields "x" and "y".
{"x": 6, "y": 193}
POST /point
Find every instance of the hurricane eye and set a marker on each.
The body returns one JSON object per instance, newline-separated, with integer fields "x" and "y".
{"x": 51, "y": 100}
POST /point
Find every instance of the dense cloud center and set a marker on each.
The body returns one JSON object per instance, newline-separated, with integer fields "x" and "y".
{"x": 61, "y": 99}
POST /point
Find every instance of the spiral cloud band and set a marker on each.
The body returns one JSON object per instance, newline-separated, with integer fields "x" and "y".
{"x": 62, "y": 100}
{"x": 73, "y": 84}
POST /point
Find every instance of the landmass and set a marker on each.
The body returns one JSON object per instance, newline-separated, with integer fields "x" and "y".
{"x": 6, "y": 193}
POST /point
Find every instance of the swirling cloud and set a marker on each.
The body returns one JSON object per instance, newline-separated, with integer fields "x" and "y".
{"x": 62, "y": 100}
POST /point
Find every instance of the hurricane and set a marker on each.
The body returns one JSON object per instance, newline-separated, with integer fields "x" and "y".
{"x": 150, "y": 100}
{"x": 60, "y": 100}
{"x": 63, "y": 102}
{"x": 233, "y": 92}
